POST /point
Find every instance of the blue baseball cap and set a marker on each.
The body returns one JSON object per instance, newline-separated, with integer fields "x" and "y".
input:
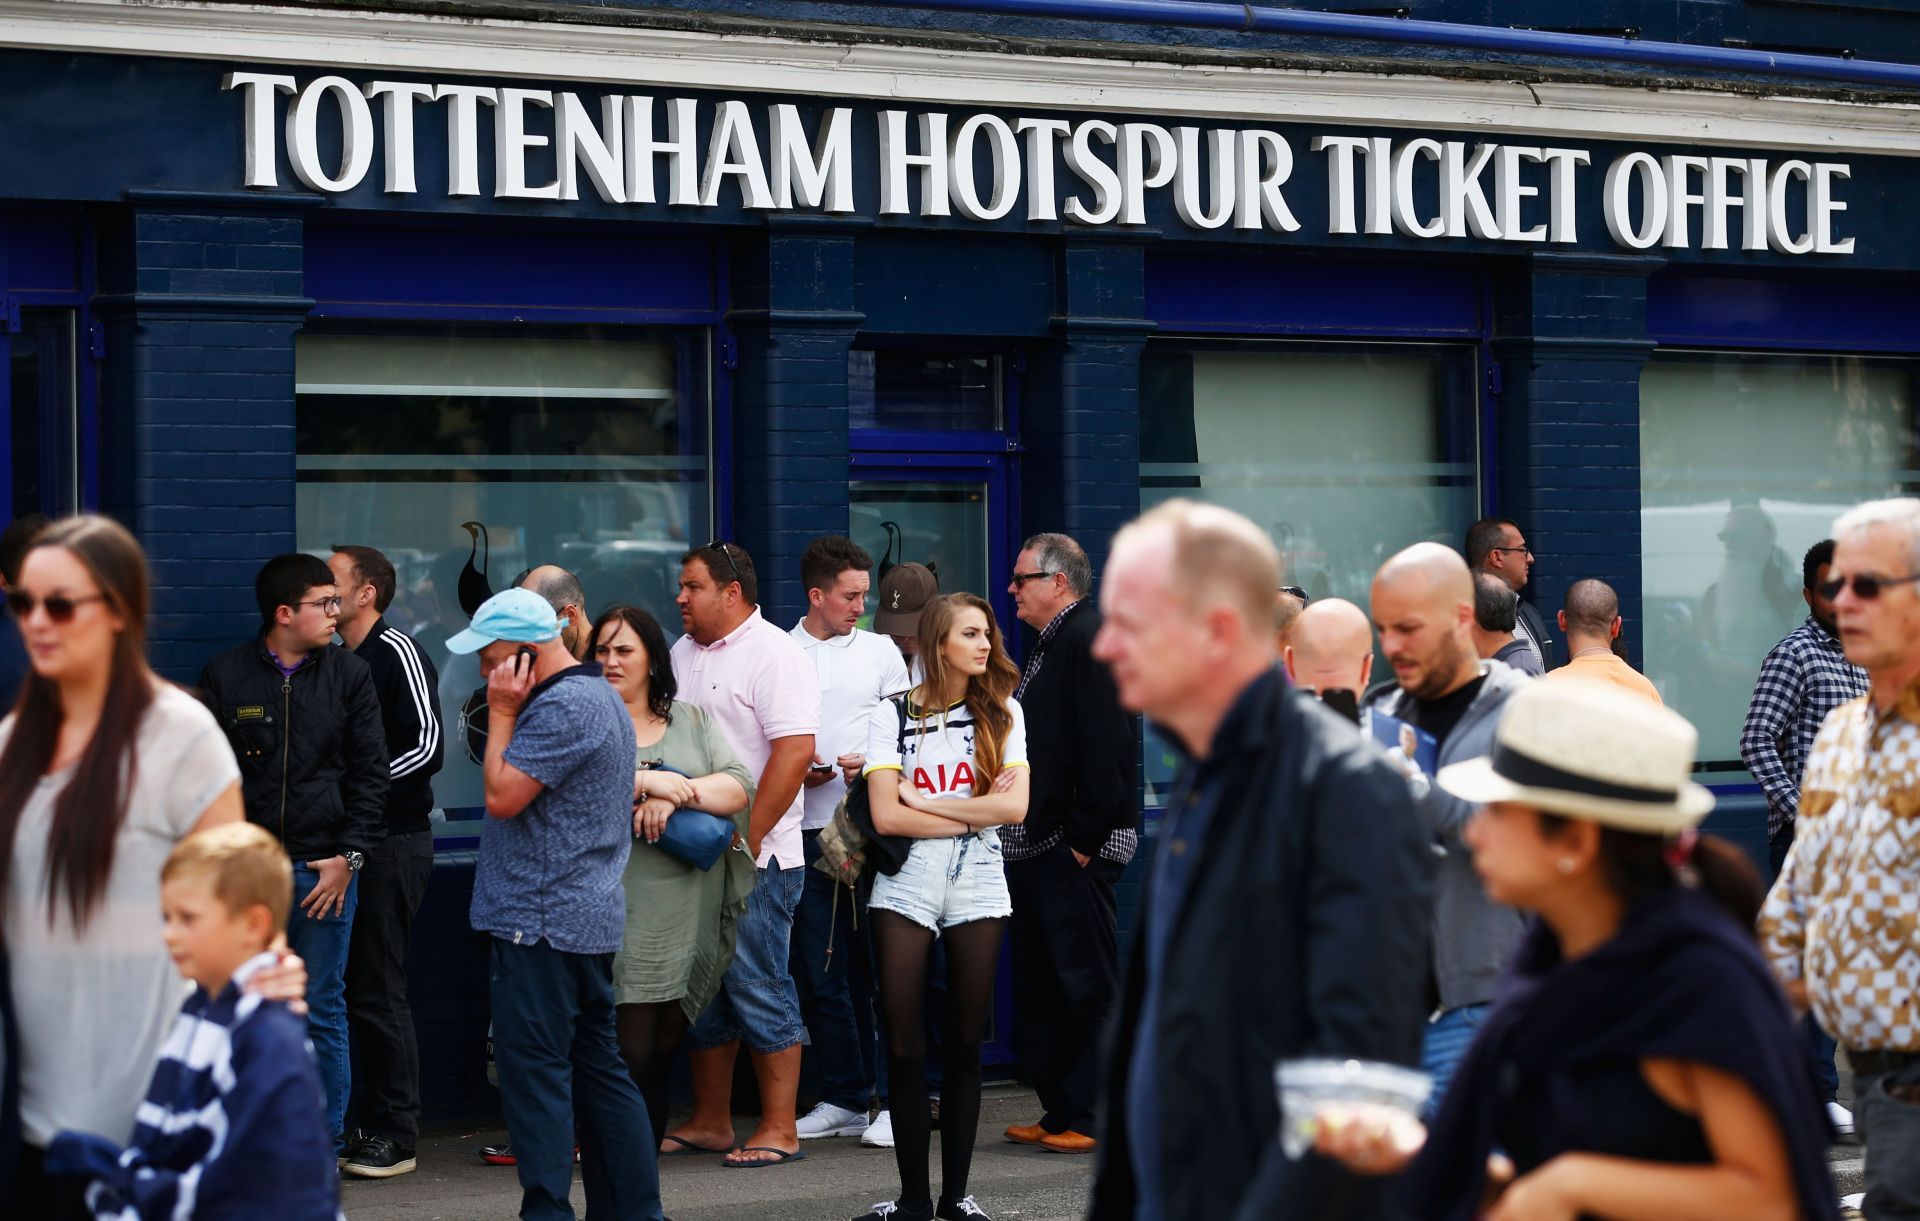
{"x": 518, "y": 615}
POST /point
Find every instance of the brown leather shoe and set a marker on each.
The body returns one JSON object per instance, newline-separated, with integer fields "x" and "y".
{"x": 1026, "y": 1134}
{"x": 1067, "y": 1142}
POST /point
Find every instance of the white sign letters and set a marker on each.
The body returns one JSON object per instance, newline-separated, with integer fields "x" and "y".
{"x": 551, "y": 145}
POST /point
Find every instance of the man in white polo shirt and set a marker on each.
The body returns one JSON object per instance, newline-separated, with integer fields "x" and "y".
{"x": 858, "y": 670}
{"x": 753, "y": 679}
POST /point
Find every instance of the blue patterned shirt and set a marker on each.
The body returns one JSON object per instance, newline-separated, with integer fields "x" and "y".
{"x": 552, "y": 872}
{"x": 1805, "y": 677}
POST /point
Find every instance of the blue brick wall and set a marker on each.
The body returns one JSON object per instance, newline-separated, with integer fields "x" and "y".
{"x": 197, "y": 450}
{"x": 793, "y": 325}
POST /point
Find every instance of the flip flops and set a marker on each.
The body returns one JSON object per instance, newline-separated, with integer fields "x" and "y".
{"x": 780, "y": 1158}
{"x": 688, "y": 1148}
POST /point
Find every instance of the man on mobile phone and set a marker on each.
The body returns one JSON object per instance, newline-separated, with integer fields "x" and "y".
{"x": 547, "y": 891}
{"x": 1331, "y": 653}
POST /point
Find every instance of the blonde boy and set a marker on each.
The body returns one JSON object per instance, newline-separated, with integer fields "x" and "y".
{"x": 234, "y": 1124}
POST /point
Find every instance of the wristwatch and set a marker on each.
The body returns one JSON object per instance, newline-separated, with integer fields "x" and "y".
{"x": 354, "y": 860}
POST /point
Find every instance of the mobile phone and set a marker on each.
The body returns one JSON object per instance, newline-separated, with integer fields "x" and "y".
{"x": 823, "y": 768}
{"x": 1342, "y": 701}
{"x": 530, "y": 653}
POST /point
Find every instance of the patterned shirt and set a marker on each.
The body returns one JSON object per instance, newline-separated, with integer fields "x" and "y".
{"x": 1014, "y": 844}
{"x": 1805, "y": 677}
{"x": 1845, "y": 912}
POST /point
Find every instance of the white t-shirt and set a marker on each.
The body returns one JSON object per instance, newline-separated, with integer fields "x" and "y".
{"x": 94, "y": 1006}
{"x": 938, "y": 760}
{"x": 858, "y": 672}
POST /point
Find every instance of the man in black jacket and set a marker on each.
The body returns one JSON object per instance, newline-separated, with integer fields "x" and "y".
{"x": 397, "y": 870}
{"x": 1495, "y": 545}
{"x": 1065, "y": 859}
{"x": 1286, "y": 913}
{"x": 304, "y": 723}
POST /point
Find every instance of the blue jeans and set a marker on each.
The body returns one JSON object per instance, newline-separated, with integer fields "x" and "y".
{"x": 322, "y": 944}
{"x": 758, "y": 1003}
{"x": 562, "y": 1083}
{"x": 1445, "y": 1045}
{"x": 820, "y": 962}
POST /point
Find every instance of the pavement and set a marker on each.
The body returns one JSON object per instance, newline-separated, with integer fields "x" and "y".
{"x": 840, "y": 1178}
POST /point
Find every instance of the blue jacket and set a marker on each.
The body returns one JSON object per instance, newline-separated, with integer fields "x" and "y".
{"x": 233, "y": 1126}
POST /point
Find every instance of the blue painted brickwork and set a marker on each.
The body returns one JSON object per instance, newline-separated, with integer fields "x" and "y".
{"x": 198, "y": 449}
{"x": 793, "y": 326}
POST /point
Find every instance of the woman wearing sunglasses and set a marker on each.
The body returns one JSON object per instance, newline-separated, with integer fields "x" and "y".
{"x": 1641, "y": 1061}
{"x": 103, "y": 768}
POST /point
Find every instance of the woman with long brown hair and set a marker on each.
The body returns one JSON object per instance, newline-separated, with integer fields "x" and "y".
{"x": 932, "y": 761}
{"x": 103, "y": 768}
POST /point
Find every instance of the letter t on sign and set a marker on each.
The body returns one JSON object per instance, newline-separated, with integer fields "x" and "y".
{"x": 261, "y": 149}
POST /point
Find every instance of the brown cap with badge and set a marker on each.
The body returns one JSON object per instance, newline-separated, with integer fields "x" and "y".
{"x": 903, "y": 592}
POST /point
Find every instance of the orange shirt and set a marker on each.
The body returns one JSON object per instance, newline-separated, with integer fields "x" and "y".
{"x": 1601, "y": 666}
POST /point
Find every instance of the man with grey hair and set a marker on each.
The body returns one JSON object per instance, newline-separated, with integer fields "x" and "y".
{"x": 562, "y": 591}
{"x": 1064, "y": 862}
{"x": 1496, "y": 609}
{"x": 1276, "y": 924}
{"x": 1839, "y": 923}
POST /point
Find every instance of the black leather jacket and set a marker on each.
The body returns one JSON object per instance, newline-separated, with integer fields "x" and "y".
{"x": 312, "y": 751}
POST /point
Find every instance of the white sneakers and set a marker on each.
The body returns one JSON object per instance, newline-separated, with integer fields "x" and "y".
{"x": 1842, "y": 1119}
{"x": 829, "y": 1120}
{"x": 879, "y": 1133}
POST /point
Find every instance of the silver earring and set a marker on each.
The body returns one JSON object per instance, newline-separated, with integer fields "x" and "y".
{"x": 1566, "y": 866}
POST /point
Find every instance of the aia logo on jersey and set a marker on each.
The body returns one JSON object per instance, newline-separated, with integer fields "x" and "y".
{"x": 960, "y": 781}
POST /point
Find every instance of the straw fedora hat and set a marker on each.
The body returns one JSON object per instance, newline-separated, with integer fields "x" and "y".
{"x": 1589, "y": 751}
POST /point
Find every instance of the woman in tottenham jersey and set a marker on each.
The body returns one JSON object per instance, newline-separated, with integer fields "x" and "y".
{"x": 934, "y": 782}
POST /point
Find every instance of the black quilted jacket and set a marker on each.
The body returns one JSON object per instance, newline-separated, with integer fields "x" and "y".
{"x": 311, "y": 746}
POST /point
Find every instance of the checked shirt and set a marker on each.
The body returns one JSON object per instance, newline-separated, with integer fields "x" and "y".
{"x": 1804, "y": 678}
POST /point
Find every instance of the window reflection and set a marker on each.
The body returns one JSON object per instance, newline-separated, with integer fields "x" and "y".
{"x": 468, "y": 456}
{"x": 1745, "y": 463}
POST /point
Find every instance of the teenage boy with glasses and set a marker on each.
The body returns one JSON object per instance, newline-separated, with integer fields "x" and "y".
{"x": 303, "y": 718}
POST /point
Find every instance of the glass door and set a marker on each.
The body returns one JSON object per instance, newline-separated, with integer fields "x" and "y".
{"x": 949, "y": 513}
{"x": 39, "y": 406}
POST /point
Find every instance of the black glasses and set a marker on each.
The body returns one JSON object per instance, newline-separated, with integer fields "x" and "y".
{"x": 1021, "y": 578}
{"x": 60, "y": 607}
{"x": 717, "y": 545}
{"x": 330, "y": 605}
{"x": 1295, "y": 591}
{"x": 1527, "y": 550}
{"x": 1866, "y": 586}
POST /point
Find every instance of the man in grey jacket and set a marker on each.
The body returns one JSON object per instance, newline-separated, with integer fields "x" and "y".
{"x": 1423, "y": 610}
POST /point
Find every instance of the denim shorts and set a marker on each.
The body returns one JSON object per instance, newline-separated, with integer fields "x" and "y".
{"x": 758, "y": 1003}
{"x": 947, "y": 882}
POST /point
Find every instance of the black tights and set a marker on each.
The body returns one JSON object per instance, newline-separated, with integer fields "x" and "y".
{"x": 649, "y": 1035}
{"x": 973, "y": 955}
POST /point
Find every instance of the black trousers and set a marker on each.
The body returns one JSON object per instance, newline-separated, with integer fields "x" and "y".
{"x": 1065, "y": 976}
{"x": 386, "y": 1055}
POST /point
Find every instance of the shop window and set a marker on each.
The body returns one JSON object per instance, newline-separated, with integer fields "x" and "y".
{"x": 1745, "y": 462}
{"x": 890, "y": 389}
{"x": 468, "y": 457}
{"x": 1344, "y": 453}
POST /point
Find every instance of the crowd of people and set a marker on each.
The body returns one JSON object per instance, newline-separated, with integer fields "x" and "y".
{"x": 816, "y": 841}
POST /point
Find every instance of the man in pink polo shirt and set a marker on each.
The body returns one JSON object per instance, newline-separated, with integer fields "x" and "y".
{"x": 754, "y": 680}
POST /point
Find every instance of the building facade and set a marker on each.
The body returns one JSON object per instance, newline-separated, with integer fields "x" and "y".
{"x": 488, "y": 286}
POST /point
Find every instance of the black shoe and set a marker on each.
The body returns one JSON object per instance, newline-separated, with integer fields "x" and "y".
{"x": 963, "y": 1209}
{"x": 887, "y": 1210}
{"x": 378, "y": 1158}
{"x": 350, "y": 1145}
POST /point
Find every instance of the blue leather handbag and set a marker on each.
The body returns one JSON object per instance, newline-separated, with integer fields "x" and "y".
{"x": 694, "y": 837}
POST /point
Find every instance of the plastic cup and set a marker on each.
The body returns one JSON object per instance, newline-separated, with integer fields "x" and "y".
{"x": 1310, "y": 1089}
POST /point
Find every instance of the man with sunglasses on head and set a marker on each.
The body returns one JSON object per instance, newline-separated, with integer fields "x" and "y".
{"x": 1839, "y": 923}
{"x": 303, "y": 717}
{"x": 1803, "y": 679}
{"x": 753, "y": 679}
{"x": 1495, "y": 545}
